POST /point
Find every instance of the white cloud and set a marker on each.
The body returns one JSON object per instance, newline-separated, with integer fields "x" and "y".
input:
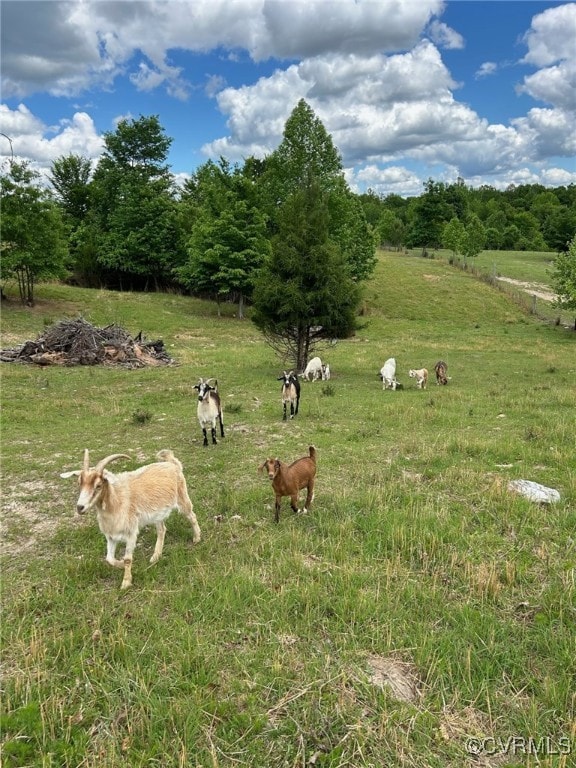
{"x": 445, "y": 37}
{"x": 551, "y": 36}
{"x": 486, "y": 69}
{"x": 382, "y": 91}
{"x": 41, "y": 144}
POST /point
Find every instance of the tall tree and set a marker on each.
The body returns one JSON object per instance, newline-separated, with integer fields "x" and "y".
{"x": 305, "y": 294}
{"x": 307, "y": 155}
{"x": 430, "y": 212}
{"x": 135, "y": 214}
{"x": 33, "y": 244}
{"x": 70, "y": 177}
{"x": 228, "y": 240}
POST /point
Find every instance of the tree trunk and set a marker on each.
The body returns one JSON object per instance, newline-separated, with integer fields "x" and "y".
{"x": 241, "y": 307}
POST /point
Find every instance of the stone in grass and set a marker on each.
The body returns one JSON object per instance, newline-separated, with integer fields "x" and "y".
{"x": 534, "y": 491}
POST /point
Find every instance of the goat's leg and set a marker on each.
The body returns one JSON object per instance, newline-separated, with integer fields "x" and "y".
{"x": 205, "y": 435}
{"x": 291, "y": 409}
{"x": 185, "y": 507}
{"x": 130, "y": 547}
{"x": 213, "y": 431}
{"x": 160, "y": 534}
{"x": 284, "y": 416}
{"x": 309, "y": 496}
{"x": 277, "y": 509}
{"x": 111, "y": 554}
{"x": 294, "y": 503}
{"x": 221, "y": 425}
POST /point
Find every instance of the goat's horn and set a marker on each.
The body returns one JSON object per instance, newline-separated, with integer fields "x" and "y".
{"x": 86, "y": 465}
{"x": 101, "y": 464}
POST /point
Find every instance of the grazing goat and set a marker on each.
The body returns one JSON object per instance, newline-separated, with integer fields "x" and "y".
{"x": 209, "y": 408}
{"x": 421, "y": 376}
{"x": 290, "y": 393}
{"x": 288, "y": 480}
{"x": 388, "y": 374}
{"x": 128, "y": 501}
{"x": 315, "y": 370}
{"x": 441, "y": 371}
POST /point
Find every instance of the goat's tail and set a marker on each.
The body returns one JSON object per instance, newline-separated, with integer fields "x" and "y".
{"x": 312, "y": 452}
{"x": 167, "y": 455}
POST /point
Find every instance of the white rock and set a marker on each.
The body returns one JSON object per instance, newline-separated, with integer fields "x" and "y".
{"x": 534, "y": 491}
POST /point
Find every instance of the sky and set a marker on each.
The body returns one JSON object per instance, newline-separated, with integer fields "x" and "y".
{"x": 484, "y": 90}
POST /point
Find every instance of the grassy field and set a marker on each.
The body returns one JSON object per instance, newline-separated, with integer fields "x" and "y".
{"x": 420, "y": 615}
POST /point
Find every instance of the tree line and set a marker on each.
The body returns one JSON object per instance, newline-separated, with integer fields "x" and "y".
{"x": 284, "y": 233}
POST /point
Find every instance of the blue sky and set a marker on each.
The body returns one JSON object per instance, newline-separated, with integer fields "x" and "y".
{"x": 409, "y": 89}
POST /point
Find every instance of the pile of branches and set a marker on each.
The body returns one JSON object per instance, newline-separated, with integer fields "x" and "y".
{"x": 77, "y": 342}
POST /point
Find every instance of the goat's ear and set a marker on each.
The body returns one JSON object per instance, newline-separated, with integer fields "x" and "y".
{"x": 261, "y": 467}
{"x": 276, "y": 464}
{"x": 66, "y": 475}
{"x": 108, "y": 476}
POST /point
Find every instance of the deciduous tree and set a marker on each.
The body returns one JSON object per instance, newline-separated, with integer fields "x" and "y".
{"x": 34, "y": 245}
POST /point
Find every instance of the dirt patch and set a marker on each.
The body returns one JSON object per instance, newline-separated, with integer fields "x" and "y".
{"x": 27, "y": 519}
{"x": 539, "y": 290}
{"x": 399, "y": 677}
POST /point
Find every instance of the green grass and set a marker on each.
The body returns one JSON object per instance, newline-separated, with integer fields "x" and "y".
{"x": 260, "y": 645}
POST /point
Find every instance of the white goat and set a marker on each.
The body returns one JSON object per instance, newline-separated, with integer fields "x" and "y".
{"x": 421, "y": 376}
{"x": 209, "y": 408}
{"x": 313, "y": 370}
{"x": 388, "y": 374}
{"x": 129, "y": 501}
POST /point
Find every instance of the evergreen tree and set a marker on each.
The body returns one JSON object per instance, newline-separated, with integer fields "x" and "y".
{"x": 307, "y": 155}
{"x": 304, "y": 295}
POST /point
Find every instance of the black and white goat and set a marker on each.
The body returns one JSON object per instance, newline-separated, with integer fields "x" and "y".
{"x": 209, "y": 408}
{"x": 290, "y": 393}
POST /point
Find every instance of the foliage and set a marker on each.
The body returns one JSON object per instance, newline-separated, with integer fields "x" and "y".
{"x": 33, "y": 234}
{"x": 228, "y": 240}
{"x": 135, "y": 216}
{"x": 307, "y": 155}
{"x": 453, "y": 235}
{"x": 305, "y": 294}
{"x": 430, "y": 213}
{"x": 473, "y": 237}
{"x": 70, "y": 177}
{"x": 564, "y": 277}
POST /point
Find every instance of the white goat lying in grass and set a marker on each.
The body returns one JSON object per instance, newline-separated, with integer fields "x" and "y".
{"x": 129, "y": 501}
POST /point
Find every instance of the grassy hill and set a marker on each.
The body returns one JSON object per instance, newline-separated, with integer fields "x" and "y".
{"x": 419, "y": 615}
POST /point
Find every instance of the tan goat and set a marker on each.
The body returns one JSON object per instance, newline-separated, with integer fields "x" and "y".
{"x": 126, "y": 502}
{"x": 421, "y": 376}
{"x": 288, "y": 480}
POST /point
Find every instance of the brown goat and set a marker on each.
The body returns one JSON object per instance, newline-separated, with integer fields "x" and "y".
{"x": 441, "y": 370}
{"x": 288, "y": 480}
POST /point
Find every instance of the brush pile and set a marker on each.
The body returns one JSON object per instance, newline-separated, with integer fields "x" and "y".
{"x": 77, "y": 342}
